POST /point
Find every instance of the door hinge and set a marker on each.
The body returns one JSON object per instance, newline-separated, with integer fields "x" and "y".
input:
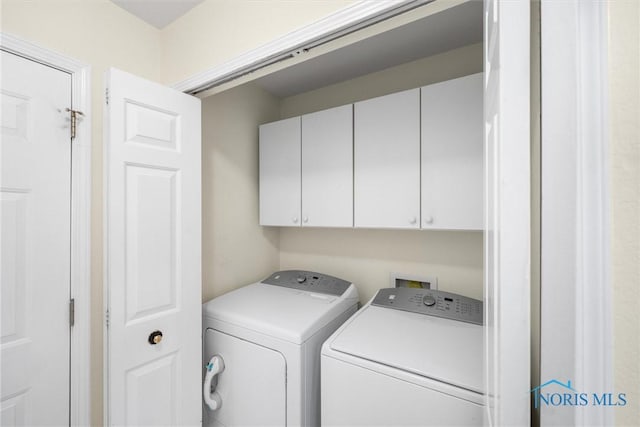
{"x": 106, "y": 95}
{"x": 106, "y": 318}
{"x": 72, "y": 312}
{"x": 74, "y": 121}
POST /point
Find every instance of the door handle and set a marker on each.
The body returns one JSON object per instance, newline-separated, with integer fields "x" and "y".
{"x": 211, "y": 398}
{"x": 155, "y": 337}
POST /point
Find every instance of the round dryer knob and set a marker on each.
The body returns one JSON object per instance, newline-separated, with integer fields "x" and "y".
{"x": 428, "y": 300}
{"x": 301, "y": 279}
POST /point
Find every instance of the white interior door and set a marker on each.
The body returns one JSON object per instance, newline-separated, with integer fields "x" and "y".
{"x": 35, "y": 233}
{"x": 153, "y": 253}
{"x": 507, "y": 212}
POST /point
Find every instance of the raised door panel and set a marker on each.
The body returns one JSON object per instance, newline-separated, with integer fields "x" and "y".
{"x": 452, "y": 154}
{"x": 158, "y": 378}
{"x": 151, "y": 211}
{"x": 252, "y": 386}
{"x": 280, "y": 173}
{"x": 327, "y": 168}
{"x": 387, "y": 161}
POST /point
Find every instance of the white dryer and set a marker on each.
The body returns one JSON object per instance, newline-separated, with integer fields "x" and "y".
{"x": 262, "y": 348}
{"x": 409, "y": 357}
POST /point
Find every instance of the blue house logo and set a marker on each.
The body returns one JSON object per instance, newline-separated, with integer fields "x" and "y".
{"x": 557, "y": 393}
{"x": 537, "y": 392}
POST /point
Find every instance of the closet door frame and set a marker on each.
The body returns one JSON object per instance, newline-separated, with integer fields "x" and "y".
{"x": 508, "y": 197}
{"x": 576, "y": 231}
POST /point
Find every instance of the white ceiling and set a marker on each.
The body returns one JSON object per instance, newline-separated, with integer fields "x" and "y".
{"x": 158, "y": 13}
{"x": 452, "y": 28}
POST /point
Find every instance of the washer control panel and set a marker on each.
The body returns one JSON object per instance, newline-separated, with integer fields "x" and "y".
{"x": 432, "y": 303}
{"x": 308, "y": 281}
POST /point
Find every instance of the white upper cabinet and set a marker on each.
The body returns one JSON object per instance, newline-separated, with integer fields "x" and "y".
{"x": 327, "y": 168}
{"x": 280, "y": 173}
{"x": 452, "y": 154}
{"x": 387, "y": 161}
{"x": 412, "y": 160}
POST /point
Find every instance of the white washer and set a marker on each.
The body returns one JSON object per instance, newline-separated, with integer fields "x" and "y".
{"x": 409, "y": 357}
{"x": 262, "y": 348}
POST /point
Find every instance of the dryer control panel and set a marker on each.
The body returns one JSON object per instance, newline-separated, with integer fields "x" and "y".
{"x": 308, "y": 281}
{"x": 432, "y": 303}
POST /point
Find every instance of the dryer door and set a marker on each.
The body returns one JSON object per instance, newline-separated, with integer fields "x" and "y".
{"x": 252, "y": 387}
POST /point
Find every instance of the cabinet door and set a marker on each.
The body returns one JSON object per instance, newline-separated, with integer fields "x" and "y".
{"x": 327, "y": 168}
{"x": 452, "y": 154}
{"x": 387, "y": 161}
{"x": 280, "y": 173}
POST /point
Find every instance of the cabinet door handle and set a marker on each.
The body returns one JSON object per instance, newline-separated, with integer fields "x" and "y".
{"x": 305, "y": 219}
{"x": 428, "y": 220}
{"x": 413, "y": 220}
{"x": 294, "y": 219}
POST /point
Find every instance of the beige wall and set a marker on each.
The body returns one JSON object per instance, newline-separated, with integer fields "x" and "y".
{"x": 217, "y": 31}
{"x": 236, "y": 250}
{"x": 367, "y": 257}
{"x": 624, "y": 75}
{"x": 102, "y": 35}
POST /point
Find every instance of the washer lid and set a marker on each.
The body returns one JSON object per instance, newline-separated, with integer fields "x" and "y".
{"x": 284, "y": 313}
{"x": 445, "y": 350}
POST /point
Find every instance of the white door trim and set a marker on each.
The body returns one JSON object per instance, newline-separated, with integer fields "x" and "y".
{"x": 80, "y": 217}
{"x": 575, "y": 117}
{"x": 507, "y": 239}
{"x": 342, "y": 22}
